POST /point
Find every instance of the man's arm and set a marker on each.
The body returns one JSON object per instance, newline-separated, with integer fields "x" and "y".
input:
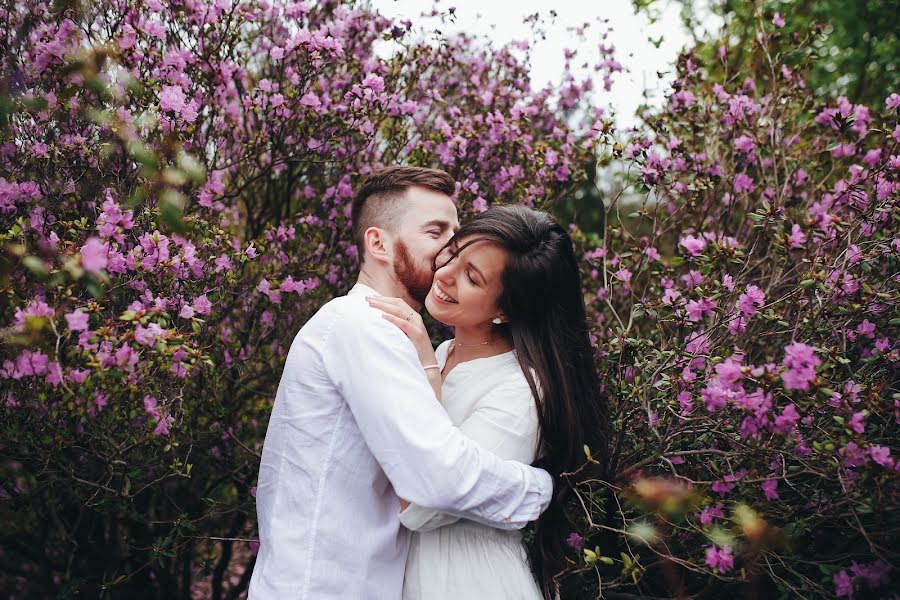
{"x": 504, "y": 422}
{"x": 428, "y": 460}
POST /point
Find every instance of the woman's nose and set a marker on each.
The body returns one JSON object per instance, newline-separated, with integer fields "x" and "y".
{"x": 445, "y": 274}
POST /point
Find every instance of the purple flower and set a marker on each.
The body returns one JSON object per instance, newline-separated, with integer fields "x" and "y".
{"x": 769, "y": 487}
{"x": 310, "y": 100}
{"x": 77, "y": 320}
{"x": 881, "y": 455}
{"x": 202, "y": 305}
{"x": 800, "y": 362}
{"x": 710, "y": 513}
{"x": 778, "y": 20}
{"x": 694, "y": 246}
{"x": 787, "y": 420}
{"x": 892, "y": 102}
{"x": 374, "y": 83}
{"x": 575, "y": 541}
{"x": 856, "y": 422}
{"x": 797, "y": 237}
{"x": 751, "y": 300}
{"x": 94, "y": 255}
{"x": 719, "y": 560}
{"x": 876, "y": 574}
{"x": 172, "y": 99}
{"x": 843, "y": 585}
{"x": 743, "y": 183}
{"x": 745, "y": 144}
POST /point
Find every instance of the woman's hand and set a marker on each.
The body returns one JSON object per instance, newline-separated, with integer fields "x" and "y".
{"x": 410, "y": 322}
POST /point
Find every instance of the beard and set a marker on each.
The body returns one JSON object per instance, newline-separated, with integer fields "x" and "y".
{"x": 411, "y": 275}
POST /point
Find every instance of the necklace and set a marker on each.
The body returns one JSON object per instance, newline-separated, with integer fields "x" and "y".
{"x": 455, "y": 343}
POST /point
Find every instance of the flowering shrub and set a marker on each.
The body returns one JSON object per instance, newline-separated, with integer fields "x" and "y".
{"x": 175, "y": 182}
{"x": 174, "y": 194}
{"x": 745, "y": 292}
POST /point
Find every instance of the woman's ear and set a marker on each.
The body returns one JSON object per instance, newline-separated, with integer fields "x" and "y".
{"x": 376, "y": 244}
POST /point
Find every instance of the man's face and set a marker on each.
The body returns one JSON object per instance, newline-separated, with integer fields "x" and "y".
{"x": 425, "y": 227}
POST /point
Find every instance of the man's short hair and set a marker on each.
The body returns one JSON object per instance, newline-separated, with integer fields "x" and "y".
{"x": 376, "y": 202}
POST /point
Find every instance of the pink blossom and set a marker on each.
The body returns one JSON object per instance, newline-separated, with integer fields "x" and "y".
{"x": 310, "y": 100}
{"x": 778, "y": 20}
{"x": 743, "y": 183}
{"x": 94, "y": 254}
{"x": 693, "y": 245}
{"x": 186, "y": 312}
{"x": 751, "y": 300}
{"x": 857, "y": 423}
{"x": 892, "y": 102}
{"x": 171, "y": 98}
{"x": 843, "y": 585}
{"x": 881, "y": 455}
{"x": 800, "y": 362}
{"x": 719, "y": 560}
{"x": 876, "y": 573}
{"x": 373, "y": 82}
{"x": 866, "y": 329}
{"x": 787, "y": 420}
{"x": 797, "y": 238}
{"x": 710, "y": 513}
{"x": 202, "y": 305}
{"x": 77, "y": 320}
{"x": 769, "y": 487}
{"x": 223, "y": 263}
{"x": 745, "y": 144}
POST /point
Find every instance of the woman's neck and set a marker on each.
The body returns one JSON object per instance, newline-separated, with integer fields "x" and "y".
{"x": 478, "y": 342}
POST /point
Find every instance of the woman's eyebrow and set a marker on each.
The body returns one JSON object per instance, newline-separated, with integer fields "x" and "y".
{"x": 477, "y": 270}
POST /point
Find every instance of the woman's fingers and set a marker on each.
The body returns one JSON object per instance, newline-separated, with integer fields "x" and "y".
{"x": 403, "y": 324}
{"x": 401, "y": 310}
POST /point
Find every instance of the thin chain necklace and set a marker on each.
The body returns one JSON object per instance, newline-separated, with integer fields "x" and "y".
{"x": 455, "y": 344}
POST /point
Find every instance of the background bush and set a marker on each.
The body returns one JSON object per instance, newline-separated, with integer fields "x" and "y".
{"x": 174, "y": 194}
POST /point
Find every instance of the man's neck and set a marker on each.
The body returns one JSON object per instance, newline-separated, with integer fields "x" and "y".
{"x": 386, "y": 285}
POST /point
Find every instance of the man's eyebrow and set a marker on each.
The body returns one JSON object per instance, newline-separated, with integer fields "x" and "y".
{"x": 437, "y": 223}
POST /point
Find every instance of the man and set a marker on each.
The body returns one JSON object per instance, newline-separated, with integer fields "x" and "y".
{"x": 356, "y": 423}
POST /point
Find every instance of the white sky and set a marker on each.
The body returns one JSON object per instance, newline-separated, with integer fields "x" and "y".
{"x": 502, "y": 22}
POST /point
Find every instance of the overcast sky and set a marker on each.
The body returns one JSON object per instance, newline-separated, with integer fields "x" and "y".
{"x": 502, "y": 21}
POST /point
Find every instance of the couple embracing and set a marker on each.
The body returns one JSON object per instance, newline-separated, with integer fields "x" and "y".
{"x": 393, "y": 470}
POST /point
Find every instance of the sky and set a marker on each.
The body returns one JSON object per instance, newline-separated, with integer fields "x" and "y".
{"x": 502, "y": 21}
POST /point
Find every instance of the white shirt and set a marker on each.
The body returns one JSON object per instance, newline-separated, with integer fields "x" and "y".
{"x": 355, "y": 423}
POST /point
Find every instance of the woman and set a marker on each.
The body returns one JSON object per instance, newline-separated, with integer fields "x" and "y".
{"x": 519, "y": 379}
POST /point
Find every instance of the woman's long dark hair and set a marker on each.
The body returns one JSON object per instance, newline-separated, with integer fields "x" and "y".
{"x": 542, "y": 299}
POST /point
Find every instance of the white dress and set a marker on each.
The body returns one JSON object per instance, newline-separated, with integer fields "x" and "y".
{"x": 455, "y": 559}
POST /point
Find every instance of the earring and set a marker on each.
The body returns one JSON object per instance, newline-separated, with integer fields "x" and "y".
{"x": 497, "y": 321}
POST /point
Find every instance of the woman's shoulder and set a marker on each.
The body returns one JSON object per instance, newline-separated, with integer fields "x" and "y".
{"x": 441, "y": 351}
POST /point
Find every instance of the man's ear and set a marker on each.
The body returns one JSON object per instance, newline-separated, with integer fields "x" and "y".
{"x": 377, "y": 242}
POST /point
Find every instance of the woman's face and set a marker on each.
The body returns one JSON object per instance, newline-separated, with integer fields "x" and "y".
{"x": 466, "y": 287}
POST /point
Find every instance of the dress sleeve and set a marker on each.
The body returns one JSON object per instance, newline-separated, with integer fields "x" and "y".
{"x": 504, "y": 423}
{"x": 428, "y": 460}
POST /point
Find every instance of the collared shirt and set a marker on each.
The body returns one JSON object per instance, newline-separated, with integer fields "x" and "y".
{"x": 355, "y": 424}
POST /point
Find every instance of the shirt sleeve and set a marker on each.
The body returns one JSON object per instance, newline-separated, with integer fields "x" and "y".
{"x": 505, "y": 423}
{"x": 427, "y": 460}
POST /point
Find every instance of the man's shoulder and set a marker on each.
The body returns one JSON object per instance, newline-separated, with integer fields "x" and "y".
{"x": 348, "y": 314}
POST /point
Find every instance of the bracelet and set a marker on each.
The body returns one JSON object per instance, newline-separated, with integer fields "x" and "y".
{"x": 431, "y": 367}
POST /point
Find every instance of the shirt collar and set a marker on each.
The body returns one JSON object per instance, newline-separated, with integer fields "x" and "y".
{"x": 360, "y": 288}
